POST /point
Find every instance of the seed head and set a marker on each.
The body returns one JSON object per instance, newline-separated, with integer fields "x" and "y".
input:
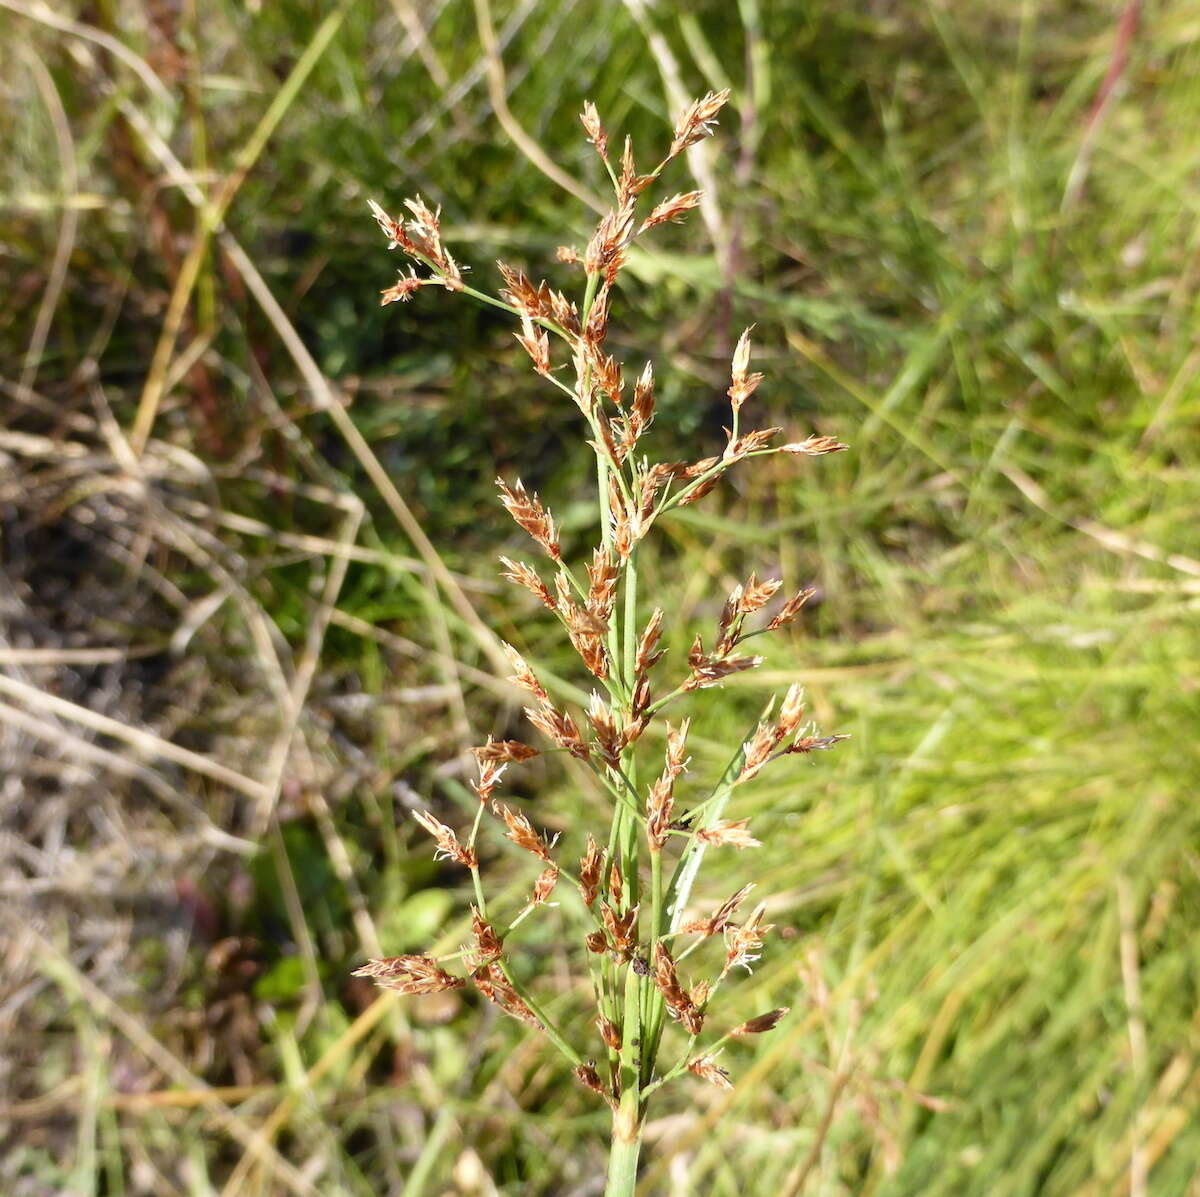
{"x": 744, "y": 383}
{"x": 488, "y": 946}
{"x": 792, "y": 711}
{"x": 716, "y": 924}
{"x": 523, "y": 676}
{"x": 596, "y": 942}
{"x": 621, "y": 928}
{"x": 558, "y": 727}
{"x": 589, "y": 871}
{"x": 521, "y": 831}
{"x": 697, "y": 121}
{"x": 616, "y": 884}
{"x": 756, "y": 594}
{"x": 492, "y": 983}
{"x": 791, "y": 609}
{"x": 752, "y": 442}
{"x": 756, "y": 751}
{"x": 610, "y": 1033}
{"x": 403, "y": 289}
{"x": 587, "y": 1076}
{"x": 660, "y": 799}
{"x": 531, "y": 514}
{"x": 761, "y": 1023}
{"x": 630, "y": 184}
{"x": 605, "y": 253}
{"x": 814, "y": 446}
{"x": 597, "y": 327}
{"x": 728, "y": 832}
{"x": 807, "y": 744}
{"x": 594, "y": 129}
{"x": 602, "y": 588}
{"x": 707, "y": 1070}
{"x": 672, "y": 209}
{"x": 490, "y": 773}
{"x": 409, "y": 975}
{"x": 608, "y": 735}
{"x": 543, "y": 887}
{"x": 647, "y": 652}
{"x": 536, "y": 343}
{"x": 525, "y": 575}
{"x": 538, "y": 302}
{"x": 448, "y": 847}
{"x": 504, "y": 750}
{"x": 712, "y": 670}
{"x": 677, "y": 999}
{"x": 744, "y": 943}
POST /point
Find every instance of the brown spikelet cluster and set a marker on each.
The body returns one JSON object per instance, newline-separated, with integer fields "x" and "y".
{"x": 660, "y": 799}
{"x": 521, "y": 832}
{"x": 634, "y": 876}
{"x": 696, "y": 122}
{"x": 707, "y": 1070}
{"x": 420, "y": 237}
{"x": 530, "y": 513}
{"x": 719, "y": 920}
{"x": 498, "y": 989}
{"x": 409, "y": 975}
{"x": 448, "y": 847}
{"x": 679, "y": 1002}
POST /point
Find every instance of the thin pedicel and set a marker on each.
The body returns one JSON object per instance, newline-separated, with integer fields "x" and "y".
{"x": 635, "y": 877}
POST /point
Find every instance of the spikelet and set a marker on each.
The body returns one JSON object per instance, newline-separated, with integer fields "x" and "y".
{"x": 543, "y": 887}
{"x": 719, "y": 920}
{"x": 531, "y": 514}
{"x": 791, "y": 609}
{"x": 677, "y": 999}
{"x": 610, "y": 1033}
{"x": 492, "y": 983}
{"x": 488, "y": 946}
{"x": 762, "y": 1023}
{"x": 448, "y": 847}
{"x": 608, "y": 735}
{"x": 410, "y": 975}
{"x": 814, "y": 446}
{"x": 536, "y": 343}
{"x": 490, "y": 773}
{"x": 621, "y": 928}
{"x": 707, "y": 1070}
{"x": 648, "y": 652}
{"x": 558, "y": 727}
{"x": 522, "y": 675}
{"x": 504, "y": 751}
{"x": 590, "y": 868}
{"x": 525, "y": 575}
{"x": 672, "y": 209}
{"x": 744, "y": 383}
{"x": 743, "y": 944}
{"x": 521, "y": 832}
{"x": 731, "y": 832}
{"x": 594, "y": 129}
{"x": 696, "y": 121}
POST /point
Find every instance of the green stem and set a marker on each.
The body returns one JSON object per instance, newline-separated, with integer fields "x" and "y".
{"x": 626, "y": 1147}
{"x": 654, "y": 1006}
{"x": 627, "y": 1117}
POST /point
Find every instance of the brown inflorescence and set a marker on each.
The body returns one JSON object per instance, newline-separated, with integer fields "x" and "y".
{"x": 632, "y": 892}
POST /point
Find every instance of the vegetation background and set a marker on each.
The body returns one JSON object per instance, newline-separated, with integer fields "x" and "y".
{"x": 248, "y": 542}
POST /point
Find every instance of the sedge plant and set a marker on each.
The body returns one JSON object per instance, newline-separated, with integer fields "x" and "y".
{"x": 633, "y": 879}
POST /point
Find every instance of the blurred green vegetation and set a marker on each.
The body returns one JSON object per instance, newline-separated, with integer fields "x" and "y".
{"x": 967, "y": 237}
